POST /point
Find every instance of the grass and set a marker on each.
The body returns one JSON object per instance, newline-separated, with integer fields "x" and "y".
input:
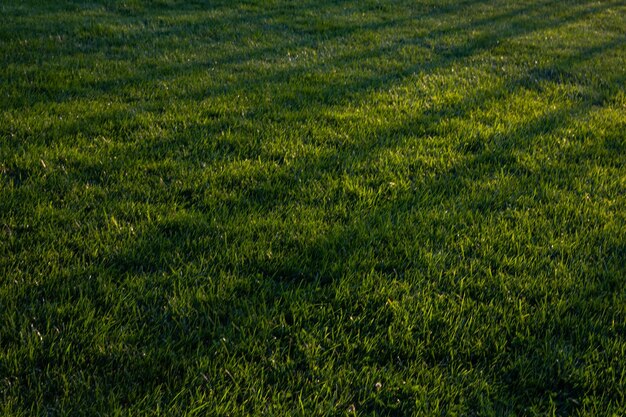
{"x": 368, "y": 208}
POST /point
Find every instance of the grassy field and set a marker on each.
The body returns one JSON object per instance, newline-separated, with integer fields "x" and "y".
{"x": 313, "y": 208}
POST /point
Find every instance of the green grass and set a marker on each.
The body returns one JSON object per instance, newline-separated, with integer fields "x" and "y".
{"x": 373, "y": 208}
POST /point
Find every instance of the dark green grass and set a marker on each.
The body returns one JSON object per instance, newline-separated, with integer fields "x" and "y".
{"x": 313, "y": 208}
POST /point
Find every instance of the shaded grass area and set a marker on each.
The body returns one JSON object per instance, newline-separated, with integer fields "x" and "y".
{"x": 313, "y": 208}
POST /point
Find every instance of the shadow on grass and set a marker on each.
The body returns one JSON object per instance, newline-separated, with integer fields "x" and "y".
{"x": 189, "y": 252}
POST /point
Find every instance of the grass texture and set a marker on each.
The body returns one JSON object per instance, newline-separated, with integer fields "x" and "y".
{"x": 313, "y": 208}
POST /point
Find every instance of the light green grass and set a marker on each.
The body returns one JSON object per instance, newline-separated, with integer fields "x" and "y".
{"x": 310, "y": 208}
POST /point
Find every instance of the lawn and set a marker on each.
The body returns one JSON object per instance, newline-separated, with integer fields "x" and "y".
{"x": 313, "y": 208}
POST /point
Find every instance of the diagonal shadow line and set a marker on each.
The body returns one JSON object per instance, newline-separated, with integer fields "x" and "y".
{"x": 471, "y": 47}
{"x": 518, "y": 139}
{"x": 332, "y": 168}
{"x": 306, "y": 166}
{"x": 311, "y": 268}
{"x": 441, "y": 61}
{"x": 303, "y": 267}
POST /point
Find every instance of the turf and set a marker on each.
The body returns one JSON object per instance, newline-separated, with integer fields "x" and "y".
{"x": 315, "y": 208}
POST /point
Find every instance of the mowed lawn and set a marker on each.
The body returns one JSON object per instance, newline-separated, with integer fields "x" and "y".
{"x": 313, "y": 208}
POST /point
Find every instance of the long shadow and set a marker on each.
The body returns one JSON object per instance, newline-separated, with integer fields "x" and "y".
{"x": 194, "y": 245}
{"x": 318, "y": 262}
{"x": 444, "y": 55}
